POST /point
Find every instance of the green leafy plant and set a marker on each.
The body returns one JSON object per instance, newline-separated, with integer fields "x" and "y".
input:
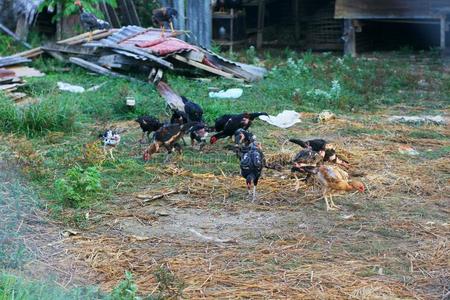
{"x": 126, "y": 289}
{"x": 69, "y": 7}
{"x": 79, "y": 186}
{"x": 169, "y": 286}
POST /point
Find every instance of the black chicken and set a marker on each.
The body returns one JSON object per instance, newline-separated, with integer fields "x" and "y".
{"x": 148, "y": 125}
{"x": 222, "y": 120}
{"x": 89, "y": 21}
{"x": 226, "y": 125}
{"x": 315, "y": 144}
{"x": 252, "y": 164}
{"x": 242, "y": 142}
{"x": 305, "y": 162}
{"x": 192, "y": 112}
{"x": 164, "y": 15}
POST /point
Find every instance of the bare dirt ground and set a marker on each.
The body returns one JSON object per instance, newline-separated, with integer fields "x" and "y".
{"x": 391, "y": 242}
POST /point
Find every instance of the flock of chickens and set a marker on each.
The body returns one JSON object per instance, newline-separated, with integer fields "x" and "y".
{"x": 317, "y": 160}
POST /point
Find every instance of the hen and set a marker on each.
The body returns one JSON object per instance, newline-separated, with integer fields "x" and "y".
{"x": 164, "y": 15}
{"x": 198, "y": 134}
{"x": 315, "y": 144}
{"x": 226, "y": 125}
{"x": 89, "y": 21}
{"x": 242, "y": 141}
{"x": 148, "y": 125}
{"x": 252, "y": 164}
{"x": 110, "y": 139}
{"x": 333, "y": 180}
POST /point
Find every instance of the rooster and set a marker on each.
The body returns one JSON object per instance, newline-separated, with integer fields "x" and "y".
{"x": 89, "y": 21}
{"x": 226, "y": 125}
{"x": 333, "y": 180}
{"x": 110, "y": 139}
{"x": 251, "y": 165}
{"x": 242, "y": 141}
{"x": 148, "y": 125}
{"x": 164, "y": 15}
{"x": 167, "y": 136}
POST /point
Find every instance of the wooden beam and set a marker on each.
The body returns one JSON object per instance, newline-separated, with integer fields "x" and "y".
{"x": 180, "y": 21}
{"x": 260, "y": 30}
{"x": 99, "y": 69}
{"x": 14, "y": 36}
{"x": 133, "y": 50}
{"x": 349, "y": 38}
{"x": 203, "y": 67}
{"x": 443, "y": 27}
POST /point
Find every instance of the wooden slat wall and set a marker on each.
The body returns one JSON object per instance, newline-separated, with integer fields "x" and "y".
{"x": 391, "y": 9}
{"x": 199, "y": 22}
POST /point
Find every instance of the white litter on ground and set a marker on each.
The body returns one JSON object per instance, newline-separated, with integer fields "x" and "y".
{"x": 438, "y": 120}
{"x": 285, "y": 119}
{"x": 67, "y": 87}
{"x": 230, "y": 93}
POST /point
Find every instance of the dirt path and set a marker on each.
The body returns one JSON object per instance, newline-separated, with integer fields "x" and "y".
{"x": 30, "y": 244}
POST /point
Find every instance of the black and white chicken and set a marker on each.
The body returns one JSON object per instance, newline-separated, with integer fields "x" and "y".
{"x": 110, "y": 139}
{"x": 89, "y": 21}
{"x": 251, "y": 165}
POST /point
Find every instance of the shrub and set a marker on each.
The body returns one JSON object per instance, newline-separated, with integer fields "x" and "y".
{"x": 79, "y": 186}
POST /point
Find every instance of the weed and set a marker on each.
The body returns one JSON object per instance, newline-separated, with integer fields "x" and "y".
{"x": 79, "y": 186}
{"x": 168, "y": 284}
{"x": 125, "y": 290}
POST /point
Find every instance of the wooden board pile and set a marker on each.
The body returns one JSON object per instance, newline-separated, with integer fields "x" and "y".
{"x": 12, "y": 73}
{"x": 143, "y": 51}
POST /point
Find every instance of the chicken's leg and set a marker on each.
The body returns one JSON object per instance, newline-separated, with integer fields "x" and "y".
{"x": 254, "y": 194}
{"x": 162, "y": 31}
{"x": 171, "y": 26}
{"x": 111, "y": 153}
{"x": 297, "y": 183}
{"x": 90, "y": 36}
{"x": 332, "y": 203}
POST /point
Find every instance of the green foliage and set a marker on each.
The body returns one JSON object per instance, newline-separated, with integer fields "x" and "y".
{"x": 79, "y": 186}
{"x": 45, "y": 116}
{"x": 69, "y": 8}
{"x": 13, "y": 287}
{"x": 169, "y": 285}
{"x": 125, "y": 290}
{"x": 7, "y": 45}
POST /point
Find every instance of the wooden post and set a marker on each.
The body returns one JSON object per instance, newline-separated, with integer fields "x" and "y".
{"x": 260, "y": 29}
{"x": 443, "y": 27}
{"x": 349, "y": 38}
{"x": 22, "y": 28}
{"x": 231, "y": 30}
{"x": 180, "y": 21}
{"x": 297, "y": 19}
{"x": 59, "y": 29}
{"x": 207, "y": 24}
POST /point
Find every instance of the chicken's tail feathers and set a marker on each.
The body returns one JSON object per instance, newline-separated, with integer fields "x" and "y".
{"x": 299, "y": 142}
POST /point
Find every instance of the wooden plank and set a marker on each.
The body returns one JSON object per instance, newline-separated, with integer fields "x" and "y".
{"x": 260, "y": 29}
{"x": 133, "y": 50}
{"x": 30, "y": 53}
{"x": 26, "y": 72}
{"x": 443, "y": 27}
{"x": 133, "y": 13}
{"x": 70, "y": 49}
{"x": 349, "y": 38}
{"x": 203, "y": 67}
{"x": 99, "y": 69}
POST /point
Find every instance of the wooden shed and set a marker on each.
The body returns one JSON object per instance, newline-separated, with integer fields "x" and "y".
{"x": 356, "y": 14}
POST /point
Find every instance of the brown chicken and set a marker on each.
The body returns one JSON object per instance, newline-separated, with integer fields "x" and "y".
{"x": 334, "y": 180}
{"x": 168, "y": 137}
